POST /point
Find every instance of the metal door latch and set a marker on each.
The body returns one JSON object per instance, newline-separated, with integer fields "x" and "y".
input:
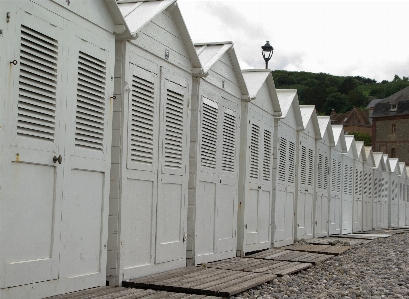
{"x": 59, "y": 159}
{"x": 184, "y": 238}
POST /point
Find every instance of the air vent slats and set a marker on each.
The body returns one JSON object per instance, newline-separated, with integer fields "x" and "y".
{"x": 254, "y": 151}
{"x": 90, "y": 113}
{"x": 209, "y": 134}
{"x": 229, "y": 140}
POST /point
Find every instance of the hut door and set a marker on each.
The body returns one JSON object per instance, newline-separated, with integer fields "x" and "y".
{"x": 407, "y": 203}
{"x": 257, "y": 209}
{"x": 85, "y": 164}
{"x": 171, "y": 207}
{"x": 226, "y": 190}
{"x": 335, "y": 195}
{"x": 284, "y": 204}
{"x": 357, "y": 219}
{"x": 31, "y": 200}
{"x": 321, "y": 218}
{"x": 402, "y": 212}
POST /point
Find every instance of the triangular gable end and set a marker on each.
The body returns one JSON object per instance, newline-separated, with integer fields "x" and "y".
{"x": 394, "y": 163}
{"x": 144, "y": 17}
{"x": 351, "y": 146}
{"x": 360, "y": 150}
{"x": 403, "y": 172}
{"x": 211, "y": 54}
{"x": 379, "y": 161}
{"x": 324, "y": 123}
{"x": 369, "y": 156}
{"x": 258, "y": 82}
{"x": 308, "y": 111}
{"x": 385, "y": 158}
{"x": 288, "y": 100}
{"x": 339, "y": 137}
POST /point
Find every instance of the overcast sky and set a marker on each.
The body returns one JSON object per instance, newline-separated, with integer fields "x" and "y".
{"x": 346, "y": 38}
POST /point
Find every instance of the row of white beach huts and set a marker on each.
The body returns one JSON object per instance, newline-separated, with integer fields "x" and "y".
{"x": 127, "y": 150}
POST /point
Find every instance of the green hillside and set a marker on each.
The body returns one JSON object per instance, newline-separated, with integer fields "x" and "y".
{"x": 329, "y": 92}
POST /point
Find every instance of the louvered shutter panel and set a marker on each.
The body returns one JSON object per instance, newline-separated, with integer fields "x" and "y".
{"x": 346, "y": 179}
{"x": 266, "y": 155}
{"x": 303, "y": 165}
{"x": 291, "y": 162}
{"x": 320, "y": 171}
{"x": 360, "y": 182}
{"x": 365, "y": 183}
{"x": 350, "y": 182}
{"x": 339, "y": 169}
{"x": 310, "y": 167}
{"x": 142, "y": 113}
{"x": 90, "y": 112}
{"x": 174, "y": 126}
{"x": 356, "y": 185}
{"x": 209, "y": 133}
{"x": 254, "y": 151}
{"x": 37, "y": 85}
{"x": 229, "y": 141}
{"x": 375, "y": 188}
{"x": 325, "y": 172}
{"x": 283, "y": 159}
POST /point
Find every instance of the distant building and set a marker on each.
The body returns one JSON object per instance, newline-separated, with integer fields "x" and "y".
{"x": 371, "y": 106}
{"x": 390, "y": 126}
{"x": 355, "y": 120}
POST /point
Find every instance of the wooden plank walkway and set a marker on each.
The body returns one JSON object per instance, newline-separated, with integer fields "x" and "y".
{"x": 291, "y": 256}
{"x": 335, "y": 240}
{"x": 201, "y": 281}
{"x": 324, "y": 249}
{"x": 279, "y": 268}
{"x": 127, "y": 293}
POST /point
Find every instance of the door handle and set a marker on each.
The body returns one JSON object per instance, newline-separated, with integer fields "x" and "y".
{"x": 59, "y": 159}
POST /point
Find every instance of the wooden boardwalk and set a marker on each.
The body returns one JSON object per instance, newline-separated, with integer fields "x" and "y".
{"x": 291, "y": 256}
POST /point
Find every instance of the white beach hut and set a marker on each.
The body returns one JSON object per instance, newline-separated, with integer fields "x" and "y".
{"x": 336, "y": 180}
{"x": 256, "y": 158}
{"x": 358, "y": 187}
{"x": 407, "y": 196}
{"x": 57, "y": 66}
{"x": 368, "y": 190}
{"x": 348, "y": 184}
{"x": 323, "y": 176}
{"x": 393, "y": 198}
{"x": 307, "y": 173}
{"x": 402, "y": 194}
{"x": 285, "y": 166}
{"x": 150, "y": 151}
{"x": 379, "y": 168}
{"x": 214, "y": 155}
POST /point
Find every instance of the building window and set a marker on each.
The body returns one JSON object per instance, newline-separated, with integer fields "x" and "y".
{"x": 394, "y": 107}
{"x": 393, "y": 152}
{"x": 393, "y": 129}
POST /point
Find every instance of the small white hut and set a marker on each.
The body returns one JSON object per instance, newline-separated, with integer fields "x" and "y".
{"x": 368, "y": 188}
{"x": 358, "y": 187}
{"x": 307, "y": 173}
{"x": 57, "y": 68}
{"x": 407, "y": 196}
{"x": 150, "y": 151}
{"x": 393, "y": 198}
{"x": 348, "y": 184}
{"x": 323, "y": 177}
{"x": 336, "y": 180}
{"x": 285, "y": 166}
{"x": 402, "y": 194}
{"x": 214, "y": 155}
{"x": 379, "y": 168}
{"x": 256, "y": 158}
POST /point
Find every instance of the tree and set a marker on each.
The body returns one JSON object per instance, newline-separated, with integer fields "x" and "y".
{"x": 347, "y": 85}
{"x": 360, "y": 136}
{"x": 338, "y": 102}
{"x": 356, "y": 98}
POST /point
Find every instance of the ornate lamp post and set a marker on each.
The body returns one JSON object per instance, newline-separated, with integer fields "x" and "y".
{"x": 267, "y": 52}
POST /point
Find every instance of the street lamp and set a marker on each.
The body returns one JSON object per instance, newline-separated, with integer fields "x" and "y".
{"x": 267, "y": 52}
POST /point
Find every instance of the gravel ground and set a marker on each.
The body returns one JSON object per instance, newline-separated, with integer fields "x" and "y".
{"x": 379, "y": 269}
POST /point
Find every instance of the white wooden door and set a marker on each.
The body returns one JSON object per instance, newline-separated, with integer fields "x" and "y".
{"x": 357, "y": 209}
{"x": 347, "y": 195}
{"x": 257, "y": 212}
{"x": 407, "y": 203}
{"x": 171, "y": 209}
{"x": 377, "y": 196}
{"x": 335, "y": 193}
{"x": 384, "y": 200}
{"x": 402, "y": 200}
{"x": 32, "y": 196}
{"x": 394, "y": 200}
{"x": 285, "y": 186}
{"x": 322, "y": 200}
{"x": 367, "y": 198}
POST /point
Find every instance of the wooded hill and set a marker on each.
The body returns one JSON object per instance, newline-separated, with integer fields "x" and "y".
{"x": 329, "y": 92}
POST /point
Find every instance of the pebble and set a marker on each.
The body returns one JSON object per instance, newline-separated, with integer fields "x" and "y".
{"x": 378, "y": 269}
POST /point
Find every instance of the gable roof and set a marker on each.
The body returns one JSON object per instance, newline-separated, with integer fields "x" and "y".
{"x": 255, "y": 79}
{"x": 403, "y": 172}
{"x": 325, "y": 126}
{"x": 339, "y": 136}
{"x": 288, "y": 98}
{"x": 372, "y": 103}
{"x": 121, "y": 29}
{"x": 369, "y": 155}
{"x": 210, "y": 53}
{"x": 350, "y": 142}
{"x": 394, "y": 163}
{"x": 360, "y": 150}
{"x": 400, "y": 98}
{"x": 140, "y": 13}
{"x": 355, "y": 117}
{"x": 379, "y": 161}
{"x": 385, "y": 158}
{"x": 308, "y": 114}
